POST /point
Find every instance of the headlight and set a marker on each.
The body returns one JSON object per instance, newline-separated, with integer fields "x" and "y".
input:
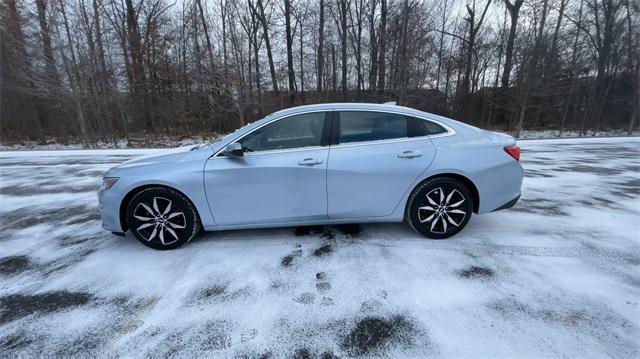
{"x": 108, "y": 182}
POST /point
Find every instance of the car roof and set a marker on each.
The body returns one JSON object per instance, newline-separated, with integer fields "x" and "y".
{"x": 455, "y": 125}
{"x": 343, "y": 106}
{"x": 363, "y": 107}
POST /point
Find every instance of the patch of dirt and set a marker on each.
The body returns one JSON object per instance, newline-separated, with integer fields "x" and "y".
{"x": 248, "y": 335}
{"x": 16, "y": 306}
{"x": 628, "y": 185}
{"x": 535, "y": 173}
{"x": 67, "y": 261}
{"x": 287, "y": 260}
{"x": 15, "y": 341}
{"x": 305, "y": 298}
{"x": 370, "y": 305}
{"x": 212, "y": 292}
{"x": 476, "y": 272}
{"x": 510, "y": 307}
{"x": 328, "y": 235}
{"x": 632, "y": 168}
{"x": 328, "y": 355}
{"x": 183, "y": 342}
{"x": 622, "y": 193}
{"x": 540, "y": 206}
{"x": 14, "y": 265}
{"x": 351, "y": 230}
{"x": 21, "y": 191}
{"x": 27, "y": 217}
{"x": 375, "y": 333}
{"x": 94, "y": 216}
{"x": 302, "y": 353}
{"x": 221, "y": 293}
{"x": 88, "y": 342}
{"x": 308, "y": 230}
{"x": 603, "y": 171}
{"x": 216, "y": 339}
{"x": 326, "y": 301}
{"x": 323, "y": 251}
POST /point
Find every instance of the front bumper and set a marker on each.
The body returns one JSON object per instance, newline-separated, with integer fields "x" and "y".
{"x": 109, "y": 204}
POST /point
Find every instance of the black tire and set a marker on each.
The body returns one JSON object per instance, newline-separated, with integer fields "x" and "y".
{"x": 162, "y": 228}
{"x": 426, "y": 207}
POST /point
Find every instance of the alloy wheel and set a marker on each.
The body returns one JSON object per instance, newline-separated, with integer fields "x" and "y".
{"x": 159, "y": 219}
{"x": 442, "y": 210}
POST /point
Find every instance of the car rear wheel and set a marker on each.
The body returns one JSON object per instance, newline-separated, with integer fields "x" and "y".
{"x": 440, "y": 208}
{"x": 162, "y": 218}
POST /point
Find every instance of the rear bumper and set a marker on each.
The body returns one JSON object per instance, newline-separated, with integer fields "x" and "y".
{"x": 500, "y": 186}
{"x": 508, "y": 204}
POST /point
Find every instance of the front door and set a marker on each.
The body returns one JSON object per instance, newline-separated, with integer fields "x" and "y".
{"x": 280, "y": 178}
{"x": 377, "y": 157}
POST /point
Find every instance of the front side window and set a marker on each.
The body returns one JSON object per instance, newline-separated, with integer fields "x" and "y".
{"x": 304, "y": 130}
{"x": 361, "y": 126}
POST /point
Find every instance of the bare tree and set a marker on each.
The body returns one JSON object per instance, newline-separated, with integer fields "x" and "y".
{"x": 290, "y": 70}
{"x": 383, "y": 46}
{"x": 342, "y": 26}
{"x": 101, "y": 70}
{"x": 320, "y": 59}
{"x": 265, "y": 33}
{"x": 514, "y": 13}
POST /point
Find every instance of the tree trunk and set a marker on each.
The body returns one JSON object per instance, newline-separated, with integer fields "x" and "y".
{"x": 342, "y": 5}
{"x": 265, "y": 34}
{"x": 514, "y": 13}
{"x": 403, "y": 53}
{"x": 290, "y": 71}
{"x": 532, "y": 70}
{"x": 50, "y": 64}
{"x": 256, "y": 55}
{"x": 334, "y": 70}
{"x": 301, "y": 62}
{"x": 76, "y": 84}
{"x": 383, "y": 46}
{"x": 137, "y": 64}
{"x": 320, "y": 61}
{"x": 100, "y": 46}
{"x": 373, "y": 47}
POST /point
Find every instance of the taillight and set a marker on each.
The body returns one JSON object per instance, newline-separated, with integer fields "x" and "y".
{"x": 513, "y": 151}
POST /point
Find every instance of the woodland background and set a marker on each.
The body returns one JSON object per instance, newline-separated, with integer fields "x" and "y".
{"x": 103, "y": 70}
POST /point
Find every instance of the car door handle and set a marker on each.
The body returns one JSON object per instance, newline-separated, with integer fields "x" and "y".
{"x": 309, "y": 162}
{"x": 410, "y": 154}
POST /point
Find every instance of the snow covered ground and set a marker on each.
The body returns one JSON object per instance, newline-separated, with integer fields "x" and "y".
{"x": 556, "y": 276}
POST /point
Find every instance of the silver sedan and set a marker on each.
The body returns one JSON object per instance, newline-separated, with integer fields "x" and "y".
{"x": 313, "y": 165}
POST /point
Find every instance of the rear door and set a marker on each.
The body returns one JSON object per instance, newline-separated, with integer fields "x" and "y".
{"x": 375, "y": 159}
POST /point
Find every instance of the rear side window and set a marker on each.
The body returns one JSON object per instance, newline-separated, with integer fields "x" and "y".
{"x": 362, "y": 126}
{"x": 418, "y": 127}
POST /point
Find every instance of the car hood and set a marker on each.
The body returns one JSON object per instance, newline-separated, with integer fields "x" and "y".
{"x": 166, "y": 156}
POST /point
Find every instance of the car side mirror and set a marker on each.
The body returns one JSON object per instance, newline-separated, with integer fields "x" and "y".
{"x": 234, "y": 150}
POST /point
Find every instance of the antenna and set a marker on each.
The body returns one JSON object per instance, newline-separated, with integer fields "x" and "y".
{"x": 390, "y": 103}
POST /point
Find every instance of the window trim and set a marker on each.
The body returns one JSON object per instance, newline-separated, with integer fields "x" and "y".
{"x": 323, "y": 142}
{"x": 335, "y": 134}
{"x": 329, "y": 139}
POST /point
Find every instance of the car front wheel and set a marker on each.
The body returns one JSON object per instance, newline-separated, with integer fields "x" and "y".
{"x": 162, "y": 218}
{"x": 440, "y": 208}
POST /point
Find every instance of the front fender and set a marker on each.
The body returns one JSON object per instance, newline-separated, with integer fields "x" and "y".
{"x": 184, "y": 176}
